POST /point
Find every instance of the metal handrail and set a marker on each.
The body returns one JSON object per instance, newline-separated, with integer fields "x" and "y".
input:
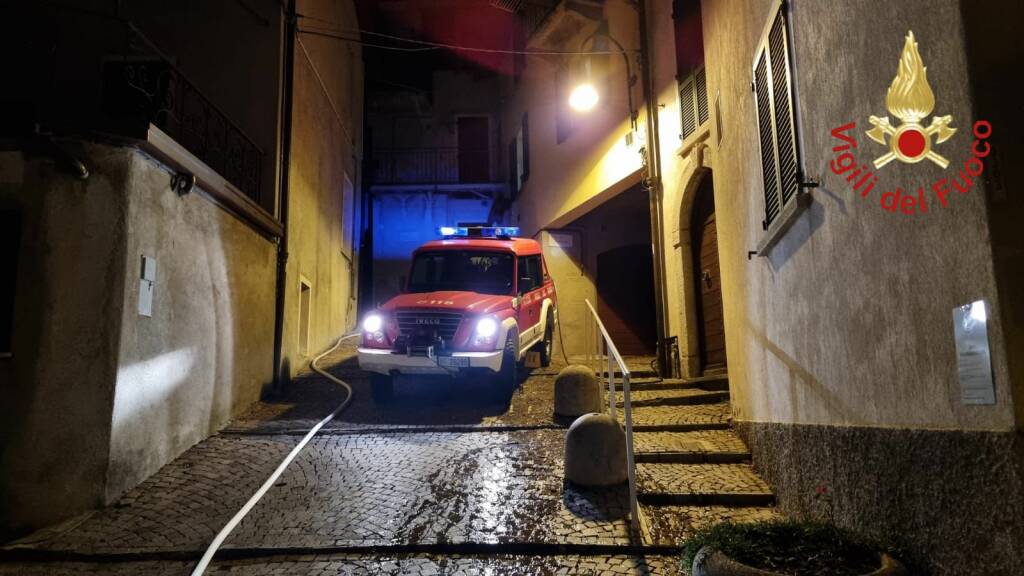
{"x": 600, "y": 350}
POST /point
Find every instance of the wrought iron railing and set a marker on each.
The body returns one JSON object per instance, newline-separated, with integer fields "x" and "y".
{"x": 602, "y": 355}
{"x": 433, "y": 165}
{"x": 137, "y": 93}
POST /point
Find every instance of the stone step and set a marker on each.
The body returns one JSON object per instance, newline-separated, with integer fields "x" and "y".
{"x": 670, "y": 397}
{"x": 669, "y": 525}
{"x": 695, "y": 447}
{"x": 702, "y": 485}
{"x": 656, "y": 383}
{"x": 680, "y": 418}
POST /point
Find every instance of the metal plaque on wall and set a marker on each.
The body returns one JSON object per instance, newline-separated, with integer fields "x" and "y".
{"x": 974, "y": 362}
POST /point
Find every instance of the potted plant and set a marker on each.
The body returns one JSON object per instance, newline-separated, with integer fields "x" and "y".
{"x": 785, "y": 548}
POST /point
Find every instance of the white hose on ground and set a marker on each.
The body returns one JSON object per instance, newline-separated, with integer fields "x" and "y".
{"x": 230, "y": 526}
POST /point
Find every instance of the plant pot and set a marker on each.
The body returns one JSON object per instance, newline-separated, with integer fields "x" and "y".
{"x": 710, "y": 562}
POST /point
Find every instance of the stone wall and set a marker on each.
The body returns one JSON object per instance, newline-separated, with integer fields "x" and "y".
{"x": 206, "y": 352}
{"x": 100, "y": 396}
{"x": 952, "y": 497}
{"x": 58, "y": 386}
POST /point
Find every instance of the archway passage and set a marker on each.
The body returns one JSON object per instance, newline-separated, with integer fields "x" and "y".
{"x": 625, "y": 296}
{"x": 707, "y": 279}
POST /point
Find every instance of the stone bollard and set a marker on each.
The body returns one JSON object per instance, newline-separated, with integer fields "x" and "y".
{"x": 577, "y": 391}
{"x": 595, "y": 451}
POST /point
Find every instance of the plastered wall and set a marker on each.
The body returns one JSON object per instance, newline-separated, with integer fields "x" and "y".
{"x": 848, "y": 320}
{"x": 326, "y": 148}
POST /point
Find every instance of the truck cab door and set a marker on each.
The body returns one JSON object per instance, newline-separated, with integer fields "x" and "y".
{"x": 531, "y": 295}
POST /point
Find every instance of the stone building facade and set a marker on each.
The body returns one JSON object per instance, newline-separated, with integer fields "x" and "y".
{"x": 837, "y": 311}
{"x": 140, "y": 191}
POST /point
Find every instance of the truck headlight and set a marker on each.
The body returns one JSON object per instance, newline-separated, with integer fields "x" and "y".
{"x": 373, "y": 323}
{"x": 486, "y": 328}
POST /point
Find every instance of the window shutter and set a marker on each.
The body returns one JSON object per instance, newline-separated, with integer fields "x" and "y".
{"x": 767, "y": 138}
{"x": 688, "y": 119}
{"x": 776, "y": 132}
{"x": 700, "y": 88}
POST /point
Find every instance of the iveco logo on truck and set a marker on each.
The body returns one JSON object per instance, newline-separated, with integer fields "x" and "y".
{"x": 476, "y": 301}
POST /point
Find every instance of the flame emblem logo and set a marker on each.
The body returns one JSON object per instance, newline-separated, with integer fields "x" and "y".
{"x": 911, "y": 100}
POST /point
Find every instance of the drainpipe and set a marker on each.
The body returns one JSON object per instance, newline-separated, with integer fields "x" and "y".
{"x": 653, "y": 182}
{"x": 288, "y": 74}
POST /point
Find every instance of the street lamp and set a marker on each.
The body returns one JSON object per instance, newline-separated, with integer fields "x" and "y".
{"x": 584, "y": 97}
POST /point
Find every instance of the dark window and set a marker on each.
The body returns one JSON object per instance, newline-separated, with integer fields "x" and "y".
{"x": 689, "y": 36}
{"x": 463, "y": 270}
{"x": 519, "y": 157}
{"x": 530, "y": 273}
{"x": 10, "y": 239}
{"x": 474, "y": 152}
{"x": 773, "y": 96}
{"x": 693, "y": 88}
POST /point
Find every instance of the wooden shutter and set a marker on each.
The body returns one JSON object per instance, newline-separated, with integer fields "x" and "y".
{"x": 687, "y": 116}
{"x": 693, "y": 102}
{"x": 773, "y": 96}
{"x": 700, "y": 93}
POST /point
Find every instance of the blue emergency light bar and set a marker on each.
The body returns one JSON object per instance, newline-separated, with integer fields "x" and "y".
{"x": 478, "y": 231}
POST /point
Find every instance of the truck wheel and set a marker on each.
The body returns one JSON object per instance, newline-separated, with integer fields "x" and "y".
{"x": 508, "y": 374}
{"x": 547, "y": 344}
{"x": 382, "y": 388}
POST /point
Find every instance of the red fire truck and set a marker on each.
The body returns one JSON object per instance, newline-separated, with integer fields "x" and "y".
{"x": 475, "y": 301}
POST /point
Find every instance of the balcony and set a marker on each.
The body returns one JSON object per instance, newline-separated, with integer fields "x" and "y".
{"x": 139, "y": 93}
{"x": 414, "y": 166}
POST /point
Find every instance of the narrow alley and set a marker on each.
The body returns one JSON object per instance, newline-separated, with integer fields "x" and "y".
{"x": 511, "y": 287}
{"x": 436, "y": 482}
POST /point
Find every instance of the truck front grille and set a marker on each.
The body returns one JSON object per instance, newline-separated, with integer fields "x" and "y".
{"x": 427, "y": 322}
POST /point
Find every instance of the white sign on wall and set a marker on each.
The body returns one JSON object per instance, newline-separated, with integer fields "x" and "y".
{"x": 560, "y": 240}
{"x": 973, "y": 359}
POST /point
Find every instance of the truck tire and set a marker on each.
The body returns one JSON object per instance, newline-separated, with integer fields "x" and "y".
{"x": 382, "y": 388}
{"x": 508, "y": 375}
{"x": 546, "y": 345}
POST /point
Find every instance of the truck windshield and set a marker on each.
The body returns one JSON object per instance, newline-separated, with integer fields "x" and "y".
{"x": 462, "y": 270}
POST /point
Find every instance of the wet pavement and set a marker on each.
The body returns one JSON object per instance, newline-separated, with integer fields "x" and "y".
{"x": 447, "y": 479}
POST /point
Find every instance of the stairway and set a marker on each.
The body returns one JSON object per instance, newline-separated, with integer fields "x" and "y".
{"x": 692, "y": 469}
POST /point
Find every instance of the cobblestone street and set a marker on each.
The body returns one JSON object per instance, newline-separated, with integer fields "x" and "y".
{"x": 439, "y": 481}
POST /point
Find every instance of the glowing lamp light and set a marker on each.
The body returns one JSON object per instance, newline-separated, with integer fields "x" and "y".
{"x": 486, "y": 327}
{"x": 584, "y": 97}
{"x": 373, "y": 323}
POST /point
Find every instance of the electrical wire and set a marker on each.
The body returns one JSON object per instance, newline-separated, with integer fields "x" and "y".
{"x": 204, "y": 562}
{"x": 340, "y": 34}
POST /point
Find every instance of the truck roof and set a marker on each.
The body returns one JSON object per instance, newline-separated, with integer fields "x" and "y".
{"x": 519, "y": 246}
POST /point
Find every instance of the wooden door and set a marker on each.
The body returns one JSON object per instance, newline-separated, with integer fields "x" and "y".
{"x": 474, "y": 153}
{"x": 712, "y": 325}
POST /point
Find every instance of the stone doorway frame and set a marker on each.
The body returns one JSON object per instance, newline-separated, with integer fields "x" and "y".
{"x": 697, "y": 165}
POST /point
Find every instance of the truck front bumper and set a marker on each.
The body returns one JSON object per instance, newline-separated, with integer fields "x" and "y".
{"x": 388, "y": 362}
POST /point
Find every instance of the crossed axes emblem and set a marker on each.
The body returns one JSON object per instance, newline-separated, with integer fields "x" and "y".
{"x": 910, "y": 142}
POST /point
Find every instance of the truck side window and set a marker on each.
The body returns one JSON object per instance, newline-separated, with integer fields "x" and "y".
{"x": 529, "y": 274}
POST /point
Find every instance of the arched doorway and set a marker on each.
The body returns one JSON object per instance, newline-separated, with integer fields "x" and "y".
{"x": 707, "y": 279}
